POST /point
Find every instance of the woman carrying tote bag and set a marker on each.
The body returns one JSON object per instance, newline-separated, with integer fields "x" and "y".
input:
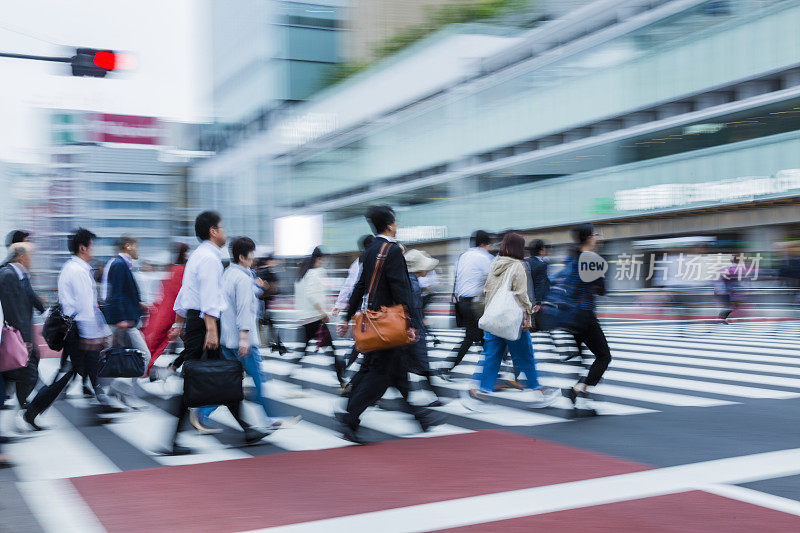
{"x": 506, "y": 321}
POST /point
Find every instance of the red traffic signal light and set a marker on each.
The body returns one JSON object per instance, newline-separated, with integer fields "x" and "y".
{"x": 96, "y": 63}
{"x": 105, "y": 59}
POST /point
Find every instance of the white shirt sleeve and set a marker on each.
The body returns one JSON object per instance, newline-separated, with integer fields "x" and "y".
{"x": 179, "y": 308}
{"x": 210, "y": 287}
{"x": 353, "y": 273}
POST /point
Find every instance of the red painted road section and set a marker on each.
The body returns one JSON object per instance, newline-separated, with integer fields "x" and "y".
{"x": 687, "y": 512}
{"x": 296, "y": 487}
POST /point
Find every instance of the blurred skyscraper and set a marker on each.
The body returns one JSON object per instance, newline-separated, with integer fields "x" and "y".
{"x": 107, "y": 173}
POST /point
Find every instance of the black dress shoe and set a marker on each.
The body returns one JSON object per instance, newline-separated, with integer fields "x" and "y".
{"x": 87, "y": 392}
{"x": 179, "y": 450}
{"x": 107, "y": 409}
{"x": 350, "y": 434}
{"x": 30, "y": 421}
{"x": 433, "y": 419}
{"x": 5, "y": 440}
{"x": 5, "y": 464}
{"x": 254, "y": 435}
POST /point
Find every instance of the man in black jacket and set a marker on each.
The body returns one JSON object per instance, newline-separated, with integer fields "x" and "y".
{"x": 19, "y": 300}
{"x": 538, "y": 264}
{"x": 384, "y": 368}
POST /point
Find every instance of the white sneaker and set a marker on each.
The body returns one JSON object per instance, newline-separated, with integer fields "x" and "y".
{"x": 199, "y": 426}
{"x": 545, "y": 397}
{"x": 475, "y": 400}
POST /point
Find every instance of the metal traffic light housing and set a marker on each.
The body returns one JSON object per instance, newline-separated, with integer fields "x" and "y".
{"x": 93, "y": 63}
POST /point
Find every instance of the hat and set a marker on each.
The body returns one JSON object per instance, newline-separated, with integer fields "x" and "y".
{"x": 419, "y": 261}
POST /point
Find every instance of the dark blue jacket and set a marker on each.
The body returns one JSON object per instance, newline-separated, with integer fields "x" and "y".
{"x": 123, "y": 299}
{"x": 541, "y": 283}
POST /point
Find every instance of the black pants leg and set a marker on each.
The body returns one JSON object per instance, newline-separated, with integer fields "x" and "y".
{"x": 193, "y": 342}
{"x": 83, "y": 363}
{"x": 472, "y": 332}
{"x": 25, "y": 380}
{"x": 369, "y": 385}
{"x": 591, "y": 334}
{"x": 351, "y": 357}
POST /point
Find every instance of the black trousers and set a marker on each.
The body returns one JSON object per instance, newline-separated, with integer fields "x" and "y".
{"x": 472, "y": 334}
{"x": 381, "y": 370}
{"x": 589, "y": 333}
{"x": 85, "y": 363}
{"x": 24, "y": 378}
{"x": 309, "y": 332}
{"x": 193, "y": 341}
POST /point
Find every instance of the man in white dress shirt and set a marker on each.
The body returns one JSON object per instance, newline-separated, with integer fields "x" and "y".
{"x": 198, "y": 306}
{"x": 77, "y": 294}
{"x": 472, "y": 269}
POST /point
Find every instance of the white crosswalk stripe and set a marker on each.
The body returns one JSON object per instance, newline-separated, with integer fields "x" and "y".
{"x": 655, "y": 368}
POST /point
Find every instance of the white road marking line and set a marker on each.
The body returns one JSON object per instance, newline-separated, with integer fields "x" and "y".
{"x": 58, "y": 506}
{"x": 60, "y": 452}
{"x": 490, "y": 508}
{"x": 762, "y": 499}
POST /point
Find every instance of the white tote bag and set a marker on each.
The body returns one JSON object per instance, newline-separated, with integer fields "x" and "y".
{"x": 503, "y": 315}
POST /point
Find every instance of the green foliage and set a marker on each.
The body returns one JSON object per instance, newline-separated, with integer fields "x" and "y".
{"x": 458, "y": 12}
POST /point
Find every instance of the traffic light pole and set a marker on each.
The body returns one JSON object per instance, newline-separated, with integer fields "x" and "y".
{"x": 37, "y": 58}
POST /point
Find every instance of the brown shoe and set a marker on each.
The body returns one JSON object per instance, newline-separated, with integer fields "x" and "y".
{"x": 509, "y": 384}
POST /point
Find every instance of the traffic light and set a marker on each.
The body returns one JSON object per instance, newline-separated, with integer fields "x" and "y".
{"x": 93, "y": 63}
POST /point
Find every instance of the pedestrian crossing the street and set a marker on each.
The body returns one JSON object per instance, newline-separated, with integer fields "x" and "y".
{"x": 655, "y": 368}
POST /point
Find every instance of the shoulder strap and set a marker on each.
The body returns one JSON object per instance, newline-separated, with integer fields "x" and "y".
{"x": 376, "y": 274}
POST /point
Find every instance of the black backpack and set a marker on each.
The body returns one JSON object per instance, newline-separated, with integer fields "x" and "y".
{"x": 57, "y": 328}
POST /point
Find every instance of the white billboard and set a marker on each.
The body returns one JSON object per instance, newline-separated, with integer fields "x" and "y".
{"x": 297, "y": 235}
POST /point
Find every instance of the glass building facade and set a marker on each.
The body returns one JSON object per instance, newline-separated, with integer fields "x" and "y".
{"x": 682, "y": 93}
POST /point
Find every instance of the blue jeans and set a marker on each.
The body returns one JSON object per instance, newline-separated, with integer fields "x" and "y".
{"x": 494, "y": 349}
{"x": 252, "y": 367}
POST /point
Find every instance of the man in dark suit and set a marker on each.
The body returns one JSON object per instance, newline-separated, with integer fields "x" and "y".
{"x": 538, "y": 263}
{"x": 384, "y": 368}
{"x": 18, "y": 301}
{"x": 123, "y": 307}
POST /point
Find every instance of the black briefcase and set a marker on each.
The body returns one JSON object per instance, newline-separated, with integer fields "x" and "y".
{"x": 121, "y": 363}
{"x": 212, "y": 382}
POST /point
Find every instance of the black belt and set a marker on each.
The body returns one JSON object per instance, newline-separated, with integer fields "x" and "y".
{"x": 466, "y": 298}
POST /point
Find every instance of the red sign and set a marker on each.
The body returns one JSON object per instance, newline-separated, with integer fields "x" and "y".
{"x": 124, "y": 129}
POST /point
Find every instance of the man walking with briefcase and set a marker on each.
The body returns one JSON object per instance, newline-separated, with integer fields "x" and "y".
{"x": 198, "y": 306}
{"x": 123, "y": 310}
{"x": 392, "y": 286}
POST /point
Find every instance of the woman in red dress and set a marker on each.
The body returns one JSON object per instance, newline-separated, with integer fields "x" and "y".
{"x": 162, "y": 316}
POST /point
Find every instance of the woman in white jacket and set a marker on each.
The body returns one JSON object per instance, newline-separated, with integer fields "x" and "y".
{"x": 311, "y": 307}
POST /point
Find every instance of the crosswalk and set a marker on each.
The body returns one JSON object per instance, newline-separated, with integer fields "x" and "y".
{"x": 656, "y": 368}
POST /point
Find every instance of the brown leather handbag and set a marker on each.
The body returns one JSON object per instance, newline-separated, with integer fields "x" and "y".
{"x": 386, "y": 328}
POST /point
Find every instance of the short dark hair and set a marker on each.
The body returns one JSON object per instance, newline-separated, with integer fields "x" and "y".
{"x": 241, "y": 246}
{"x": 380, "y": 217}
{"x": 80, "y": 237}
{"x": 513, "y": 245}
{"x": 536, "y": 246}
{"x": 582, "y": 232}
{"x": 124, "y": 240}
{"x": 480, "y": 238}
{"x": 365, "y": 242}
{"x": 18, "y": 235}
{"x": 204, "y": 222}
{"x": 180, "y": 249}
